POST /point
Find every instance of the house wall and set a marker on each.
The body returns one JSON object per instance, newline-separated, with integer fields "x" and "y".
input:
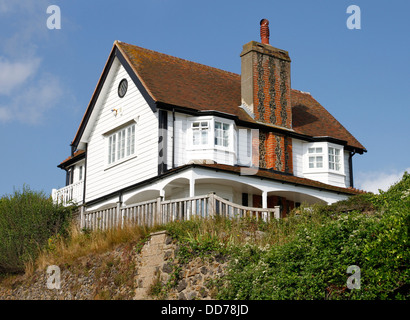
{"x": 77, "y": 169}
{"x": 347, "y": 168}
{"x": 101, "y": 178}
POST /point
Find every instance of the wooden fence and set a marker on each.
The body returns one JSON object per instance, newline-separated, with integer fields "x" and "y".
{"x": 158, "y": 212}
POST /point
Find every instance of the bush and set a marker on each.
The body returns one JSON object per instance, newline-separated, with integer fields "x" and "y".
{"x": 28, "y": 219}
{"x": 369, "y": 231}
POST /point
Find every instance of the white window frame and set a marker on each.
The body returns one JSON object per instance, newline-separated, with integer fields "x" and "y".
{"x": 200, "y": 126}
{"x": 211, "y": 134}
{"x": 328, "y": 166}
{"x": 121, "y": 144}
{"x": 315, "y": 158}
{"x": 223, "y": 135}
{"x": 335, "y": 161}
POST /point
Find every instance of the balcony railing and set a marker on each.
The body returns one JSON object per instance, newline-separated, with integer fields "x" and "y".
{"x": 71, "y": 194}
{"x": 159, "y": 212}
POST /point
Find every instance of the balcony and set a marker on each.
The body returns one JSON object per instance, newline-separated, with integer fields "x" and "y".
{"x": 71, "y": 194}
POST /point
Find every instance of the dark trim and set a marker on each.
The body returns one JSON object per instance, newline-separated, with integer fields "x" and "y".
{"x": 71, "y": 174}
{"x": 135, "y": 79}
{"x": 67, "y": 177}
{"x": 162, "y": 141}
{"x": 115, "y": 52}
{"x": 116, "y": 194}
{"x": 260, "y": 126}
{"x": 351, "y": 154}
{"x": 173, "y": 138}
{"x": 85, "y": 173}
{"x": 93, "y": 101}
{"x": 71, "y": 161}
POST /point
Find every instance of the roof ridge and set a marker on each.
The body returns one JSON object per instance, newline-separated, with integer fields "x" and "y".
{"x": 178, "y": 58}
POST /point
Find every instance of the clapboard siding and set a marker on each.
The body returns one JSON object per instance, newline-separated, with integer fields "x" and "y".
{"x": 101, "y": 179}
{"x": 297, "y": 150}
{"x": 180, "y": 139}
{"x": 347, "y": 168}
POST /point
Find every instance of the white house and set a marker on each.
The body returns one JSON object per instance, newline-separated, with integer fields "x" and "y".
{"x": 161, "y": 126}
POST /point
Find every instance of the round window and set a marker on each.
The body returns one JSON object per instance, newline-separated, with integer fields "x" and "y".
{"x": 122, "y": 88}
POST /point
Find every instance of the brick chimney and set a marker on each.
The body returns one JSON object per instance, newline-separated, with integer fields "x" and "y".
{"x": 265, "y": 80}
{"x": 265, "y": 90}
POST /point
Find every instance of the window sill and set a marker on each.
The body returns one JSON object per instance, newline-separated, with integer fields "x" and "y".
{"x": 320, "y": 171}
{"x": 112, "y": 165}
{"x": 210, "y": 148}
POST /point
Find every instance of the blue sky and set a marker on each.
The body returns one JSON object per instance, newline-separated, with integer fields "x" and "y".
{"x": 47, "y": 76}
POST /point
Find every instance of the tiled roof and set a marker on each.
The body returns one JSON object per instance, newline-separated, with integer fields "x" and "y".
{"x": 191, "y": 85}
{"x": 268, "y": 174}
{"x": 77, "y": 155}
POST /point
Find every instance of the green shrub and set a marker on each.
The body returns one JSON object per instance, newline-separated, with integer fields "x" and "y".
{"x": 28, "y": 219}
{"x": 370, "y": 231}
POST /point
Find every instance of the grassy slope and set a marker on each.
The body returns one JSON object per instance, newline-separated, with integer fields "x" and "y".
{"x": 304, "y": 256}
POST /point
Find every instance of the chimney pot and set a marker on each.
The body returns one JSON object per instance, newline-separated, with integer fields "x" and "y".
{"x": 264, "y": 31}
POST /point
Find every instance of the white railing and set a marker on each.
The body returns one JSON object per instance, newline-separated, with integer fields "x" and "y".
{"x": 158, "y": 212}
{"x": 72, "y": 193}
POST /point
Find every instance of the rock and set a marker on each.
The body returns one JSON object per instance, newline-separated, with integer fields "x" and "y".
{"x": 204, "y": 270}
{"x": 203, "y": 292}
{"x": 182, "y": 285}
{"x": 167, "y": 268}
{"x": 191, "y": 295}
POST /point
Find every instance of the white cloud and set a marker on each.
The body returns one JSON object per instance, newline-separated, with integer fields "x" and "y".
{"x": 373, "y": 181}
{"x": 31, "y": 105}
{"x": 27, "y": 90}
{"x": 15, "y": 73}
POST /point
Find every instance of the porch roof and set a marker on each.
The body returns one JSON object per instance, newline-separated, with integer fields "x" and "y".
{"x": 277, "y": 176}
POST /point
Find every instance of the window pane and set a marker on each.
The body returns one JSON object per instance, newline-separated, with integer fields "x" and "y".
{"x": 195, "y": 124}
{"x": 319, "y": 150}
{"x": 204, "y": 136}
{"x": 132, "y": 151}
{"x": 311, "y": 150}
{"x": 128, "y": 141}
{"x": 109, "y": 149}
{"x": 204, "y": 124}
{"x": 195, "y": 135}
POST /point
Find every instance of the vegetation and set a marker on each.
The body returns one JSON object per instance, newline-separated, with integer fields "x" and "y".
{"x": 306, "y": 255}
{"x": 28, "y": 219}
{"x": 303, "y": 256}
{"x": 327, "y": 240}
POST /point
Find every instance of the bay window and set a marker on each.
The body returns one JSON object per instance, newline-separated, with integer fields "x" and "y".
{"x": 221, "y": 134}
{"x": 334, "y": 159}
{"x": 315, "y": 158}
{"x": 210, "y": 133}
{"x": 323, "y": 157}
{"x": 200, "y": 133}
